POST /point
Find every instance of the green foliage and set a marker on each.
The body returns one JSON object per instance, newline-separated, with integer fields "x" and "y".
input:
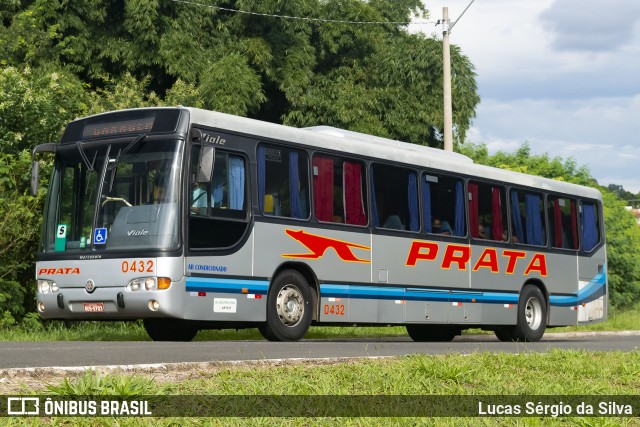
{"x": 373, "y": 78}
{"x": 35, "y": 105}
{"x": 93, "y": 383}
{"x": 393, "y": 90}
{"x": 623, "y": 256}
{"x": 622, "y": 232}
{"x": 125, "y": 92}
{"x": 19, "y": 228}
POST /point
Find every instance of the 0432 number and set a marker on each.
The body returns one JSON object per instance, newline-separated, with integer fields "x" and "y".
{"x": 334, "y": 309}
{"x": 137, "y": 266}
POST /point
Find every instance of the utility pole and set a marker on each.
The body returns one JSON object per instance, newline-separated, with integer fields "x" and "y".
{"x": 446, "y": 67}
{"x": 446, "y": 74}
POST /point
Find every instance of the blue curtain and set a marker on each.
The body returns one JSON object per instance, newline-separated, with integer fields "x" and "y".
{"x": 589, "y": 227}
{"x": 374, "y": 205}
{"x": 294, "y": 186}
{"x": 458, "y": 229}
{"x": 236, "y": 183}
{"x": 262, "y": 166}
{"x": 517, "y": 218}
{"x": 414, "y": 222}
{"x": 426, "y": 205}
{"x": 534, "y": 220}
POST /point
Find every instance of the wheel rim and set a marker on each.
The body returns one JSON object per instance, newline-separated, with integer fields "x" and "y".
{"x": 290, "y": 305}
{"x": 533, "y": 313}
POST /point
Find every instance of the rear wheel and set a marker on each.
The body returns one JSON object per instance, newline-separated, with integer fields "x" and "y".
{"x": 505, "y": 334}
{"x": 532, "y": 317}
{"x": 289, "y": 308}
{"x": 432, "y": 333}
{"x": 170, "y": 329}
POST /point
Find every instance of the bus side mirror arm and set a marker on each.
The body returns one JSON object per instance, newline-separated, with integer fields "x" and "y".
{"x": 49, "y": 147}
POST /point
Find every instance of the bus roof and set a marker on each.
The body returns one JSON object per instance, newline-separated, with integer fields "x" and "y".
{"x": 382, "y": 148}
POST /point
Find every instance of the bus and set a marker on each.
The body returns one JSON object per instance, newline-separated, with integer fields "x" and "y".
{"x": 190, "y": 219}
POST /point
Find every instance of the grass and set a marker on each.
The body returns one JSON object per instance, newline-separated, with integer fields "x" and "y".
{"x": 559, "y": 373}
{"x": 134, "y": 331}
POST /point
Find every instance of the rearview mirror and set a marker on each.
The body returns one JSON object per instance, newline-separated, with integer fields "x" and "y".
{"x": 49, "y": 147}
{"x": 206, "y": 158}
{"x": 205, "y": 163}
{"x": 35, "y": 173}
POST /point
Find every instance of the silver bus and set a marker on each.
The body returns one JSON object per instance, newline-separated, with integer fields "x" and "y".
{"x": 191, "y": 219}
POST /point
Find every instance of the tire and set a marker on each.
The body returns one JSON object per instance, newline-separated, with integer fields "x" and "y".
{"x": 432, "y": 333}
{"x": 532, "y": 315}
{"x": 505, "y": 334}
{"x": 289, "y": 308}
{"x": 170, "y": 329}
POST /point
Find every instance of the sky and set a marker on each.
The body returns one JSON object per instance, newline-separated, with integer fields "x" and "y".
{"x": 562, "y": 75}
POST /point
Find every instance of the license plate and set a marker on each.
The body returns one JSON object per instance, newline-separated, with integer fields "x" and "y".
{"x": 97, "y": 307}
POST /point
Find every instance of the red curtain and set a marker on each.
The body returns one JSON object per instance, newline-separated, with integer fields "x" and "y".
{"x": 473, "y": 209}
{"x": 352, "y": 191}
{"x": 496, "y": 213}
{"x": 323, "y": 188}
{"x": 557, "y": 221}
{"x": 574, "y": 225}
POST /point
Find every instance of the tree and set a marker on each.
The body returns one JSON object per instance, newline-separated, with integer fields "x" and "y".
{"x": 373, "y": 78}
{"x": 622, "y": 232}
{"x": 34, "y": 108}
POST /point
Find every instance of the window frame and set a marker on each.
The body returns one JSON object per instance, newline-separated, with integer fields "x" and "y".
{"x": 374, "y": 204}
{"x": 423, "y": 216}
{"x": 550, "y": 197}
{"x": 305, "y": 170}
{"x": 504, "y": 210}
{"x": 364, "y": 188}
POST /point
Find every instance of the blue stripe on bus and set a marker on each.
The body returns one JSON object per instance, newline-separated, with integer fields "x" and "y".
{"x": 594, "y": 290}
{"x": 415, "y": 294}
{"x": 229, "y": 286}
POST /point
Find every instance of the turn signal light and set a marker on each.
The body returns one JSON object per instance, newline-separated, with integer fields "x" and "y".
{"x": 164, "y": 283}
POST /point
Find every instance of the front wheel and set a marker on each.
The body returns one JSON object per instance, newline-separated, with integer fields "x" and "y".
{"x": 170, "y": 329}
{"x": 289, "y": 308}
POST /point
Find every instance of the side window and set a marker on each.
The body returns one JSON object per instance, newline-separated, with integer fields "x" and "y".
{"x": 338, "y": 190}
{"x": 225, "y": 195}
{"x": 443, "y": 205}
{"x": 487, "y": 212}
{"x": 563, "y": 222}
{"x": 527, "y": 219}
{"x": 590, "y": 226}
{"x": 218, "y": 209}
{"x": 283, "y": 182}
{"x": 394, "y": 198}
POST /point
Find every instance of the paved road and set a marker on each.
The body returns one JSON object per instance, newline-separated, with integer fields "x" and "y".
{"x": 82, "y": 353}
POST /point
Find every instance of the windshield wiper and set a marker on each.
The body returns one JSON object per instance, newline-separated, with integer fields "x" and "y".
{"x": 84, "y": 157}
{"x": 121, "y": 153}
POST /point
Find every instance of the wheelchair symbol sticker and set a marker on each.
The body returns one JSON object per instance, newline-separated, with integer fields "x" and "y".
{"x": 100, "y": 236}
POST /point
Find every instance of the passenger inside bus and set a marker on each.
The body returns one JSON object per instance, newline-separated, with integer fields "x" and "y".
{"x": 394, "y": 222}
{"x": 441, "y": 227}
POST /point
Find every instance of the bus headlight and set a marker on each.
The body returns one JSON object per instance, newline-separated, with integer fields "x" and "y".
{"x": 134, "y": 285}
{"x": 47, "y": 286}
{"x": 149, "y": 284}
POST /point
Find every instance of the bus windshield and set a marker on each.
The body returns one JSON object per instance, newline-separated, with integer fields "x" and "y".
{"x": 135, "y": 206}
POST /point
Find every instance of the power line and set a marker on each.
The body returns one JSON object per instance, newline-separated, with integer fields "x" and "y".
{"x": 303, "y": 18}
